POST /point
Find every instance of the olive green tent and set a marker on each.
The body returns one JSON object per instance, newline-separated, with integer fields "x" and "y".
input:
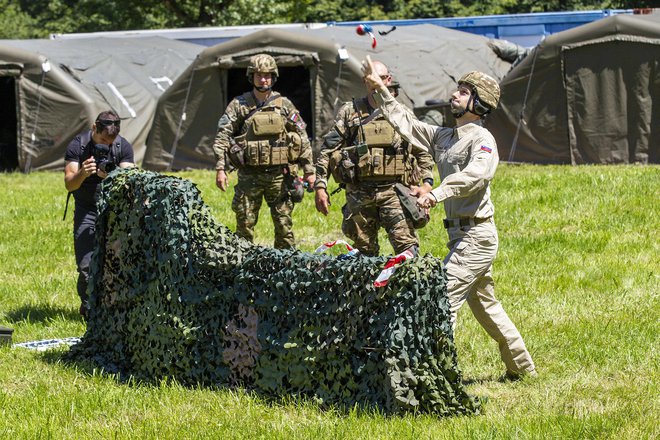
{"x": 52, "y": 89}
{"x": 319, "y": 70}
{"x": 586, "y": 95}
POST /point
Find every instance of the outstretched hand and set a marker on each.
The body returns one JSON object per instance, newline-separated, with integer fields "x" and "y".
{"x": 371, "y": 77}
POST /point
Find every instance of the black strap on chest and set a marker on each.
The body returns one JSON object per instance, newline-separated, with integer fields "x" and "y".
{"x": 358, "y": 129}
{"x": 252, "y": 102}
{"x": 362, "y": 107}
{"x": 85, "y": 139}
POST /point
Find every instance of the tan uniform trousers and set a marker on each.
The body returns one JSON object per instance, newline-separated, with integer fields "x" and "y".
{"x": 469, "y": 265}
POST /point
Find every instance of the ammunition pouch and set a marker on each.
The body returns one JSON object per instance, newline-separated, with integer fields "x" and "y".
{"x": 342, "y": 166}
{"x": 266, "y": 153}
{"x": 419, "y": 217}
{"x": 294, "y": 144}
{"x": 375, "y": 164}
{"x": 374, "y": 159}
{"x": 236, "y": 152}
{"x": 267, "y": 141}
{"x": 378, "y": 134}
{"x": 382, "y": 164}
{"x": 266, "y": 123}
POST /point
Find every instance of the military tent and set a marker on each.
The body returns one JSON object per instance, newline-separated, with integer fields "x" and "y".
{"x": 319, "y": 70}
{"x": 586, "y": 95}
{"x": 51, "y": 90}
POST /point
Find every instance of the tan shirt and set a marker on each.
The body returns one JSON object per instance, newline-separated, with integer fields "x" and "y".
{"x": 466, "y": 157}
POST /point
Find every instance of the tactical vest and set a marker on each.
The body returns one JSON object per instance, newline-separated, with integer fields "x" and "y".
{"x": 377, "y": 153}
{"x": 265, "y": 140}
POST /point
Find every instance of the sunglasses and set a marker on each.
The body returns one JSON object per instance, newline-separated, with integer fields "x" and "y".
{"x": 108, "y": 122}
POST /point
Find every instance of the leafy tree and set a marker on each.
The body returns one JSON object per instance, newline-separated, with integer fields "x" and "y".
{"x": 39, "y": 18}
{"x": 15, "y": 23}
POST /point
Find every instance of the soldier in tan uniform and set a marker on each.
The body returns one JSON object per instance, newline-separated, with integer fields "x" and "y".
{"x": 363, "y": 152}
{"x": 263, "y": 135}
{"x": 467, "y": 158}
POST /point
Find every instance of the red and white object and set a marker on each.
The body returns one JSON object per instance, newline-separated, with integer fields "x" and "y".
{"x": 390, "y": 267}
{"x": 365, "y": 29}
{"x": 325, "y": 246}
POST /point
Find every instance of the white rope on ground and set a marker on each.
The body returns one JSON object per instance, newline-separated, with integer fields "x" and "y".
{"x": 47, "y": 344}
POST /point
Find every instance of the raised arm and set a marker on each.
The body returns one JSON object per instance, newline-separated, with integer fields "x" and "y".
{"x": 416, "y": 132}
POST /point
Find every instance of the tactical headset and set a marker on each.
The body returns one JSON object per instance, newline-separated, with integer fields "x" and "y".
{"x": 479, "y": 108}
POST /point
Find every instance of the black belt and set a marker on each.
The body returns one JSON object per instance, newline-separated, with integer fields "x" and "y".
{"x": 375, "y": 184}
{"x": 260, "y": 169}
{"x": 463, "y": 221}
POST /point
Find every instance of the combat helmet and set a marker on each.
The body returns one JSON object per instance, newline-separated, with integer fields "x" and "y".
{"x": 486, "y": 89}
{"x": 262, "y": 63}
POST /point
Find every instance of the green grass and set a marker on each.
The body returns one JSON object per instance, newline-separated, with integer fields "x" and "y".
{"x": 578, "y": 272}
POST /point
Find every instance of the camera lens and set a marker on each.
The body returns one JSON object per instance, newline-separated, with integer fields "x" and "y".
{"x": 101, "y": 150}
{"x": 101, "y": 157}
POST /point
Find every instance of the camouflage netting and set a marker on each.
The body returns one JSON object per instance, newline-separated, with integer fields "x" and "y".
{"x": 175, "y": 294}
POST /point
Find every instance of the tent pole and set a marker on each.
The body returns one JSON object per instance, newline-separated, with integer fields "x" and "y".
{"x": 181, "y": 119}
{"x": 514, "y": 144}
{"x": 45, "y": 67}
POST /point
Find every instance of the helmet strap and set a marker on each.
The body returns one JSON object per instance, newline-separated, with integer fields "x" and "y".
{"x": 458, "y": 115}
{"x": 467, "y": 107}
{"x": 265, "y": 89}
{"x": 470, "y": 104}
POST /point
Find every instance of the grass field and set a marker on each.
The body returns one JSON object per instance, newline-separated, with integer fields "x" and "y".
{"x": 578, "y": 272}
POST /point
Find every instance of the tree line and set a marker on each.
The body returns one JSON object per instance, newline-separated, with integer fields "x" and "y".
{"x": 40, "y": 18}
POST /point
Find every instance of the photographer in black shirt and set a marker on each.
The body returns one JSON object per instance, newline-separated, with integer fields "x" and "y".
{"x": 89, "y": 158}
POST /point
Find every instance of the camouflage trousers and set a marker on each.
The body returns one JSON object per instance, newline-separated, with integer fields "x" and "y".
{"x": 255, "y": 185}
{"x": 369, "y": 208}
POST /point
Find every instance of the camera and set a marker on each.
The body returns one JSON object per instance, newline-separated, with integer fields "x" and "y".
{"x": 102, "y": 158}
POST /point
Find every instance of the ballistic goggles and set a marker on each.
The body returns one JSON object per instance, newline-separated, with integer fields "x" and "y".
{"x": 108, "y": 122}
